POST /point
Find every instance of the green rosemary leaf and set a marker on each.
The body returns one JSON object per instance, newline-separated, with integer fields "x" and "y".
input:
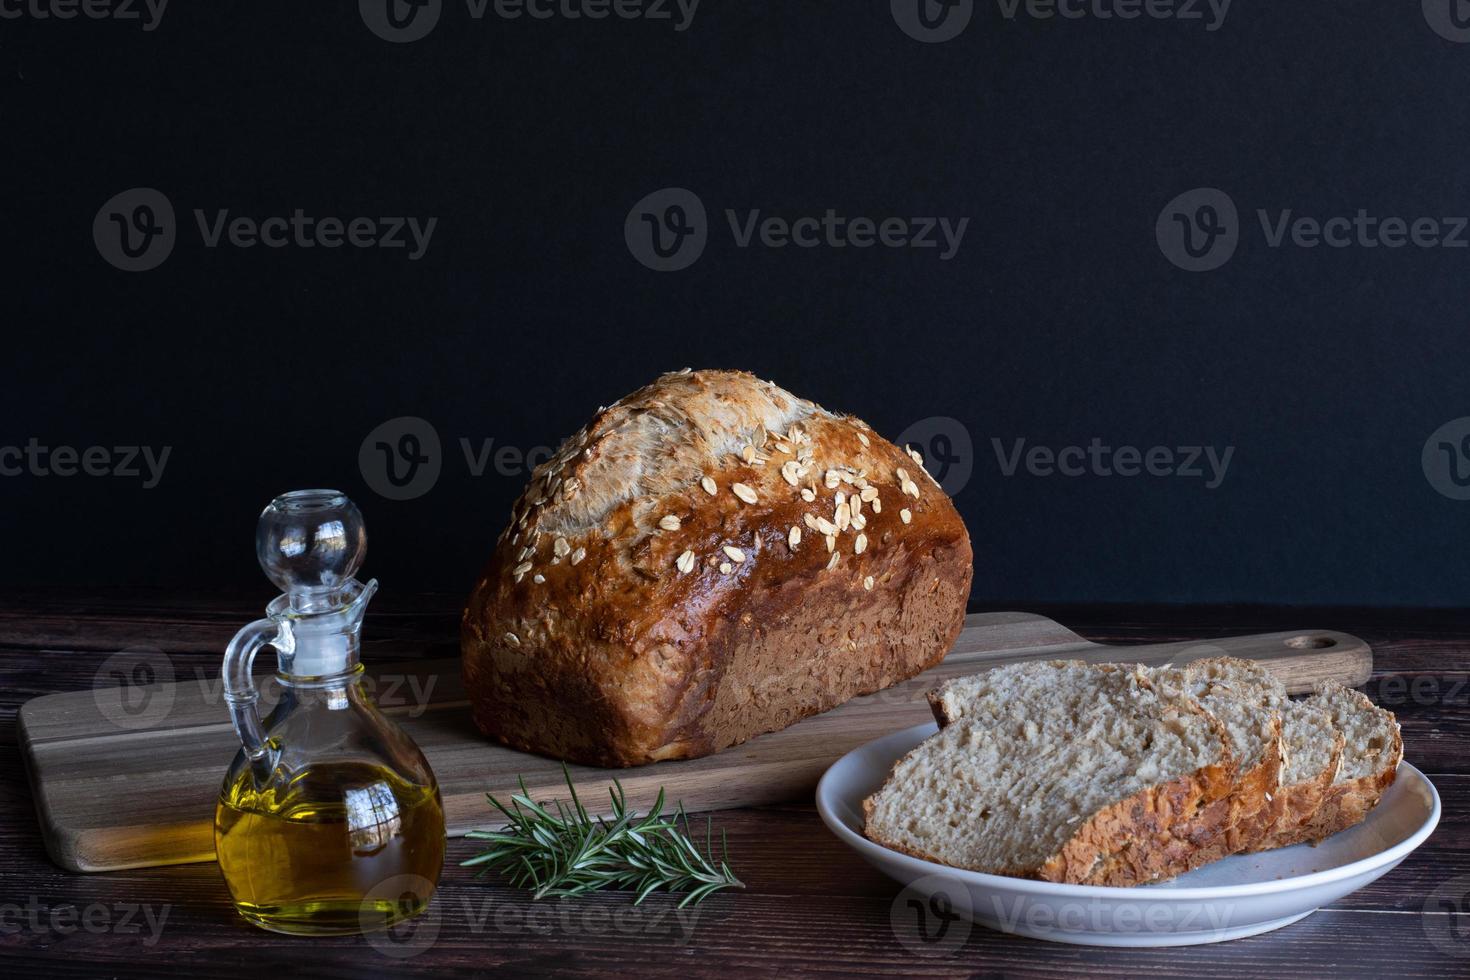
{"x": 562, "y": 851}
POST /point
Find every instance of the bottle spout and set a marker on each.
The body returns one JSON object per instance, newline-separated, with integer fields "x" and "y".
{"x": 357, "y": 605}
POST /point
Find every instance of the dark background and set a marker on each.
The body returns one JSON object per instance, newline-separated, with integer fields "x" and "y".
{"x": 1059, "y": 320}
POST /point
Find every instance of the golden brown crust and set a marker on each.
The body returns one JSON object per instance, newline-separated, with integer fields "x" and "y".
{"x": 1291, "y": 807}
{"x": 1149, "y": 836}
{"x": 590, "y": 636}
{"x": 1232, "y": 681}
{"x": 1258, "y": 790}
{"x": 1252, "y": 796}
{"x": 1097, "y": 853}
{"x": 1197, "y": 812}
{"x": 1345, "y": 804}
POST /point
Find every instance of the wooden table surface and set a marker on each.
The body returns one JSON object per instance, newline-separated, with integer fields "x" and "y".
{"x": 811, "y": 906}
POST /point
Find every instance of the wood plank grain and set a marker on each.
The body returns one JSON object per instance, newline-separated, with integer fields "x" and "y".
{"x": 813, "y": 908}
{"x": 154, "y": 752}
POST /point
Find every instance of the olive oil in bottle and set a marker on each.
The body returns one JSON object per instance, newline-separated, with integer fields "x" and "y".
{"x": 329, "y": 818}
{"x": 338, "y": 849}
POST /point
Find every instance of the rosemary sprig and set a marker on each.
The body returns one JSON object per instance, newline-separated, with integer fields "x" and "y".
{"x": 568, "y": 852}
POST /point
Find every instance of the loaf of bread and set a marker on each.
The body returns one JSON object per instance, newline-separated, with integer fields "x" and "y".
{"x": 709, "y": 559}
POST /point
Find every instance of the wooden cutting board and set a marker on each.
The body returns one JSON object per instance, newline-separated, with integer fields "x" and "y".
{"x": 118, "y": 787}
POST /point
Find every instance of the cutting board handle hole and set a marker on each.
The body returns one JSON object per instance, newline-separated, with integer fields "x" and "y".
{"x": 1311, "y": 642}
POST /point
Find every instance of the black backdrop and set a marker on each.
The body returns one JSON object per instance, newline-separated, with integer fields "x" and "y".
{"x": 1331, "y": 374}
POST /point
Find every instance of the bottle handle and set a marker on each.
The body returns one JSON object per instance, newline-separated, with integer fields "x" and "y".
{"x": 239, "y": 686}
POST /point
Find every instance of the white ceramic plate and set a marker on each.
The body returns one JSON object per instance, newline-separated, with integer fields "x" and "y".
{"x": 1237, "y": 896}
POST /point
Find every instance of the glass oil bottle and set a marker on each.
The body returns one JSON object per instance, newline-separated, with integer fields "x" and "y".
{"x": 329, "y": 820}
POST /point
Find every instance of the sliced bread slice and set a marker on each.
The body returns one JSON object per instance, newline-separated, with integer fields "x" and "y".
{"x": 1313, "y": 750}
{"x": 1248, "y": 700}
{"x": 1050, "y": 770}
{"x": 1057, "y": 686}
{"x": 1372, "y": 749}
